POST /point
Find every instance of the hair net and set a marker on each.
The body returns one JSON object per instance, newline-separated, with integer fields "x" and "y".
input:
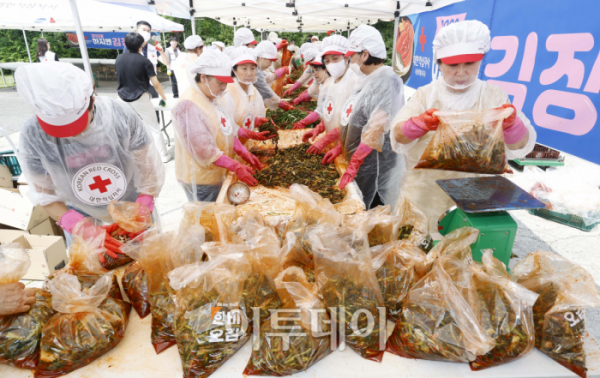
{"x": 211, "y": 62}
{"x": 368, "y": 38}
{"x": 242, "y": 37}
{"x": 192, "y": 42}
{"x": 267, "y": 50}
{"x": 335, "y": 43}
{"x": 460, "y": 38}
{"x": 242, "y": 54}
{"x": 376, "y": 100}
{"x": 113, "y": 159}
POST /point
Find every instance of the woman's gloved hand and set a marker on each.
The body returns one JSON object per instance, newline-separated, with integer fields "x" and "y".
{"x": 513, "y": 127}
{"x": 254, "y": 135}
{"x": 304, "y": 97}
{"x": 285, "y": 106}
{"x": 416, "y": 127}
{"x": 358, "y": 158}
{"x": 319, "y": 145}
{"x": 243, "y": 172}
{"x": 332, "y": 154}
{"x": 309, "y": 119}
{"x": 314, "y": 132}
{"x": 15, "y": 298}
{"x": 292, "y": 88}
{"x": 248, "y": 157}
{"x": 282, "y": 71}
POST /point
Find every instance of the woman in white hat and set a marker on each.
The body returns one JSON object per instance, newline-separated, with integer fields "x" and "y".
{"x": 322, "y": 80}
{"x": 244, "y": 37}
{"x": 206, "y": 137}
{"x": 266, "y": 53}
{"x": 194, "y": 47}
{"x": 80, "y": 152}
{"x": 458, "y": 49}
{"x": 365, "y": 122}
{"x": 307, "y": 78}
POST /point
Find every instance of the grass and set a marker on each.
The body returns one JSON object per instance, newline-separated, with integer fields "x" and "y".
{"x": 9, "y": 81}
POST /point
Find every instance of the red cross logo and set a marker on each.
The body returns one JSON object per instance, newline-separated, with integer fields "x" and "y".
{"x": 329, "y": 108}
{"x": 100, "y": 184}
{"x": 348, "y": 111}
{"x": 422, "y": 39}
{"x": 223, "y": 121}
{"x": 248, "y": 123}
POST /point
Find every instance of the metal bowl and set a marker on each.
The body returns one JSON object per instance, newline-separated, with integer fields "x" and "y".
{"x": 238, "y": 193}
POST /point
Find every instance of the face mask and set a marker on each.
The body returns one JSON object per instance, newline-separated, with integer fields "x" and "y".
{"x": 356, "y": 68}
{"x": 245, "y": 82}
{"x": 146, "y": 35}
{"x": 336, "y": 70}
{"x": 461, "y": 87}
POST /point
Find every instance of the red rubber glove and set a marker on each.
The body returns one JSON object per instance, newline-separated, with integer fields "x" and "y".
{"x": 416, "y": 127}
{"x": 510, "y": 120}
{"x": 285, "y": 106}
{"x": 243, "y": 172}
{"x": 259, "y": 121}
{"x": 310, "y": 118}
{"x": 289, "y": 80}
{"x": 304, "y": 96}
{"x": 357, "y": 160}
{"x": 513, "y": 127}
{"x": 281, "y": 44}
{"x": 319, "y": 145}
{"x": 332, "y": 154}
{"x": 254, "y": 135}
{"x": 292, "y": 88}
{"x": 314, "y": 132}
{"x": 248, "y": 157}
{"x": 282, "y": 71}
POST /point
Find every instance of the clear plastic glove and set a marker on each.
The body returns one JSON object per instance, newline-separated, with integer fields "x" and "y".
{"x": 304, "y": 97}
{"x": 309, "y": 119}
{"x": 332, "y": 154}
{"x": 285, "y": 106}
{"x": 319, "y": 145}
{"x": 243, "y": 172}
{"x": 357, "y": 160}
{"x": 292, "y": 88}
{"x": 254, "y": 135}
{"x": 282, "y": 71}
{"x": 314, "y": 132}
{"x": 15, "y": 298}
{"x": 248, "y": 157}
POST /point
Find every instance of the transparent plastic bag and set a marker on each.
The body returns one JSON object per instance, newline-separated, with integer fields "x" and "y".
{"x": 214, "y": 217}
{"x": 505, "y": 313}
{"x": 457, "y": 243}
{"x": 210, "y": 320}
{"x": 398, "y": 266}
{"x": 468, "y": 141}
{"x": 292, "y": 254}
{"x": 245, "y": 227}
{"x": 135, "y": 284}
{"x": 273, "y": 357}
{"x": 380, "y": 225}
{"x": 413, "y": 225}
{"x": 565, "y": 291}
{"x": 437, "y": 321}
{"x": 346, "y": 278}
{"x": 20, "y": 334}
{"x": 88, "y": 323}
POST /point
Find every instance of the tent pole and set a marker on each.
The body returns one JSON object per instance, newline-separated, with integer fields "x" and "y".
{"x": 164, "y": 41}
{"x": 193, "y": 26}
{"x": 396, "y": 23}
{"x": 27, "y": 45}
{"x": 81, "y": 38}
{"x": 42, "y": 33}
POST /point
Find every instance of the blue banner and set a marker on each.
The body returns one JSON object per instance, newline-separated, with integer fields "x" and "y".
{"x": 99, "y": 40}
{"x": 543, "y": 54}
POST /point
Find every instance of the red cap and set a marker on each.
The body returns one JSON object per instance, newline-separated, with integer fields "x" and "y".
{"x": 225, "y": 79}
{"x": 253, "y": 43}
{"x": 467, "y": 58}
{"x": 332, "y": 53}
{"x": 246, "y": 62}
{"x": 66, "y": 131}
{"x": 349, "y": 54}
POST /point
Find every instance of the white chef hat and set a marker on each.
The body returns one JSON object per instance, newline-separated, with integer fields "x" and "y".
{"x": 59, "y": 94}
{"x": 317, "y": 61}
{"x": 305, "y": 46}
{"x": 220, "y": 44}
{"x": 243, "y": 37}
{"x": 310, "y": 54}
{"x": 214, "y": 63}
{"x": 462, "y": 42}
{"x": 273, "y": 37}
{"x": 242, "y": 55}
{"x": 335, "y": 45}
{"x": 366, "y": 37}
{"x": 267, "y": 50}
{"x": 314, "y": 37}
{"x": 192, "y": 42}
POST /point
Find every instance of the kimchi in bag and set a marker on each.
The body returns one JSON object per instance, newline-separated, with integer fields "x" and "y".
{"x": 293, "y": 254}
{"x": 135, "y": 284}
{"x": 565, "y": 291}
{"x": 468, "y": 141}
{"x": 20, "y": 333}
{"x": 88, "y": 323}
{"x": 413, "y": 226}
{"x": 214, "y": 217}
{"x": 380, "y": 225}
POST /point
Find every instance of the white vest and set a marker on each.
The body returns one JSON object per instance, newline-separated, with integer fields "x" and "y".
{"x": 49, "y": 57}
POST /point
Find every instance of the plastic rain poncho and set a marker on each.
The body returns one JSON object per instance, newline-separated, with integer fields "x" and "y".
{"x": 337, "y": 95}
{"x": 269, "y": 97}
{"x": 322, "y": 95}
{"x": 418, "y": 185}
{"x": 181, "y": 69}
{"x": 375, "y": 101}
{"x": 113, "y": 159}
{"x": 247, "y": 104}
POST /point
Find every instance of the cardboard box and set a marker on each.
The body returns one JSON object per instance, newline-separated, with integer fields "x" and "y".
{"x": 18, "y": 211}
{"x": 6, "y": 178}
{"x": 8, "y": 236}
{"x": 47, "y": 254}
{"x": 47, "y": 228}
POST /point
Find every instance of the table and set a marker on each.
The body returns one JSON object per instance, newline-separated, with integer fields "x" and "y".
{"x": 171, "y": 102}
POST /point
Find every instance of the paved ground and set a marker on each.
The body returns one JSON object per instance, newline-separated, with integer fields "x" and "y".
{"x": 533, "y": 234}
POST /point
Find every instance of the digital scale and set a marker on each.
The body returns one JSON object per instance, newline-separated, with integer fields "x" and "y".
{"x": 482, "y": 203}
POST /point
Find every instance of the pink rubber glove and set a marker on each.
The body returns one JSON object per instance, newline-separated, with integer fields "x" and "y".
{"x": 304, "y": 96}
{"x": 416, "y": 127}
{"x": 314, "y": 132}
{"x": 357, "y": 160}
{"x": 243, "y": 172}
{"x": 248, "y": 157}
{"x": 285, "y": 106}
{"x": 282, "y": 71}
{"x": 259, "y": 121}
{"x": 72, "y": 221}
{"x": 319, "y": 145}
{"x": 310, "y": 118}
{"x": 292, "y": 88}
{"x": 146, "y": 200}
{"x": 69, "y": 220}
{"x": 332, "y": 154}
{"x": 249, "y": 134}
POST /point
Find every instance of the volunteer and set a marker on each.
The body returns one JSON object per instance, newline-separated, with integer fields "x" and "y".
{"x": 342, "y": 82}
{"x": 307, "y": 77}
{"x": 315, "y": 41}
{"x": 194, "y": 47}
{"x": 80, "y": 152}
{"x": 15, "y": 298}
{"x": 458, "y": 49}
{"x": 172, "y": 54}
{"x": 292, "y": 46}
{"x": 218, "y": 45}
{"x": 206, "y": 137}
{"x": 365, "y": 122}
{"x": 323, "y": 80}
{"x": 249, "y": 110}
{"x": 244, "y": 37}
{"x": 134, "y": 75}
{"x": 266, "y": 54}
{"x": 43, "y": 52}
